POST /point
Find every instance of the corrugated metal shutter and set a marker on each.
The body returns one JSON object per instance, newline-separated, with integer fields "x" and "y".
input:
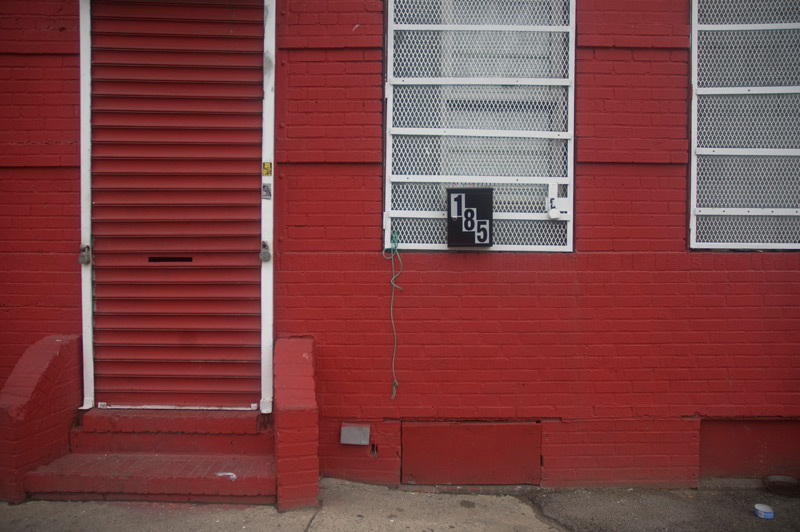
{"x": 176, "y": 148}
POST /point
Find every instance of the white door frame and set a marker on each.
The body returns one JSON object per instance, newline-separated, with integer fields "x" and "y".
{"x": 267, "y": 210}
{"x": 267, "y": 205}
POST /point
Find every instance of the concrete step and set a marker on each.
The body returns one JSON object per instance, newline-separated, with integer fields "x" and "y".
{"x": 163, "y": 477}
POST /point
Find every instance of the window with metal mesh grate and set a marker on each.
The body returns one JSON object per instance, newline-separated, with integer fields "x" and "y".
{"x": 480, "y": 94}
{"x": 746, "y": 157}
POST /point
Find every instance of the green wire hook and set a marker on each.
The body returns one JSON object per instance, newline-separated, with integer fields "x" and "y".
{"x": 393, "y": 252}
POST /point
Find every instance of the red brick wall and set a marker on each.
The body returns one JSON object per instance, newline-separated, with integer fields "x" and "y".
{"x": 39, "y": 176}
{"x": 296, "y": 424}
{"x": 619, "y": 347}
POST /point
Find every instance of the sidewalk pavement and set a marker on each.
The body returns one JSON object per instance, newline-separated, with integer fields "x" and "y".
{"x": 724, "y": 508}
{"x": 353, "y": 507}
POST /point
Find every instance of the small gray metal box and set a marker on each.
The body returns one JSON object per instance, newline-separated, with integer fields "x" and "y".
{"x": 354, "y": 434}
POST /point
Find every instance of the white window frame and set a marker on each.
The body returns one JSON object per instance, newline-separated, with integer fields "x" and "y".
{"x": 697, "y": 151}
{"x": 564, "y": 204}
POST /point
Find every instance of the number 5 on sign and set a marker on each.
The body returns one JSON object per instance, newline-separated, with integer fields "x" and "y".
{"x": 482, "y": 232}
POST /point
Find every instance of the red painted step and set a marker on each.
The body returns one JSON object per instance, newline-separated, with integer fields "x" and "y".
{"x": 172, "y": 477}
{"x": 186, "y": 421}
{"x": 173, "y": 431}
{"x": 167, "y": 455}
{"x": 170, "y": 442}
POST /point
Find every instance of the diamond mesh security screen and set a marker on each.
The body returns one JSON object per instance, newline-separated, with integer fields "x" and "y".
{"x": 480, "y": 94}
{"x": 746, "y": 130}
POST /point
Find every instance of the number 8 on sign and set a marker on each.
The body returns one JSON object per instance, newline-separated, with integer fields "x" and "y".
{"x": 468, "y": 222}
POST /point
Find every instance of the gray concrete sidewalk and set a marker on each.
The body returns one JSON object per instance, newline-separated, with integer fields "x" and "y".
{"x": 346, "y": 507}
{"x": 662, "y": 510}
{"x": 353, "y": 507}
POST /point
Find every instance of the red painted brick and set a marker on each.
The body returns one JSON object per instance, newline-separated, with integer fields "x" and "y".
{"x": 296, "y": 424}
{"x": 189, "y": 477}
{"x": 38, "y": 407}
{"x": 499, "y": 337}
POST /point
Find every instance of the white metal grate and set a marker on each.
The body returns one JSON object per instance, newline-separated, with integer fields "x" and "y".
{"x": 431, "y": 233}
{"x": 748, "y": 58}
{"x": 750, "y": 229}
{"x": 746, "y": 111}
{"x": 749, "y": 121}
{"x": 748, "y": 182}
{"x": 479, "y": 54}
{"x": 522, "y": 108}
{"x": 470, "y": 12}
{"x": 478, "y": 156}
{"x": 480, "y": 94}
{"x": 417, "y": 196}
{"x": 748, "y": 11}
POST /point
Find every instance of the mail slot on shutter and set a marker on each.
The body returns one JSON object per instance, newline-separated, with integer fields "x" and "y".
{"x": 469, "y": 217}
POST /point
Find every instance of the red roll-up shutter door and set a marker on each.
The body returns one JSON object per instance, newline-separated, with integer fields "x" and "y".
{"x": 177, "y": 96}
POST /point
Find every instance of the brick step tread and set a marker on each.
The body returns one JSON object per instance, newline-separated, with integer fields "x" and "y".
{"x": 186, "y": 421}
{"x": 156, "y": 497}
{"x": 171, "y": 442}
{"x": 140, "y": 473}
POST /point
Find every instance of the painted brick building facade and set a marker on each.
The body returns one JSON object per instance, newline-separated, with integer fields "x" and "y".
{"x": 635, "y": 357}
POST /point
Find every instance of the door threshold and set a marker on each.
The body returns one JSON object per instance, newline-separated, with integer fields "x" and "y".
{"x": 106, "y": 406}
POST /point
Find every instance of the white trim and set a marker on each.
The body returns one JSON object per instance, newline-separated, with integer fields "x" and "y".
{"x": 106, "y": 406}
{"x": 747, "y": 27}
{"x": 739, "y": 211}
{"x": 388, "y": 114}
{"x": 748, "y": 245}
{"x": 267, "y": 208}
{"x": 496, "y": 247}
{"x": 87, "y": 303}
{"x": 693, "y": 128}
{"x": 481, "y": 81}
{"x": 570, "y": 199}
{"x": 482, "y": 27}
{"x": 764, "y": 152}
{"x": 505, "y": 180}
{"x": 493, "y": 133}
{"x": 787, "y": 89}
{"x": 497, "y": 215}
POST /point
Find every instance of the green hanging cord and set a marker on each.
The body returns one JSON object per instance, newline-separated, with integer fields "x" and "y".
{"x": 393, "y": 252}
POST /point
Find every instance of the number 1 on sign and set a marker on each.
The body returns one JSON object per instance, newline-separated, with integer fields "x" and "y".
{"x": 457, "y": 205}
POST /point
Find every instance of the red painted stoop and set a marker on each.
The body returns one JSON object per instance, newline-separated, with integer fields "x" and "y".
{"x": 164, "y": 455}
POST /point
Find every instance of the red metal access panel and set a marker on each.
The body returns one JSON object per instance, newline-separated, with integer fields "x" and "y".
{"x": 471, "y": 453}
{"x": 177, "y": 92}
